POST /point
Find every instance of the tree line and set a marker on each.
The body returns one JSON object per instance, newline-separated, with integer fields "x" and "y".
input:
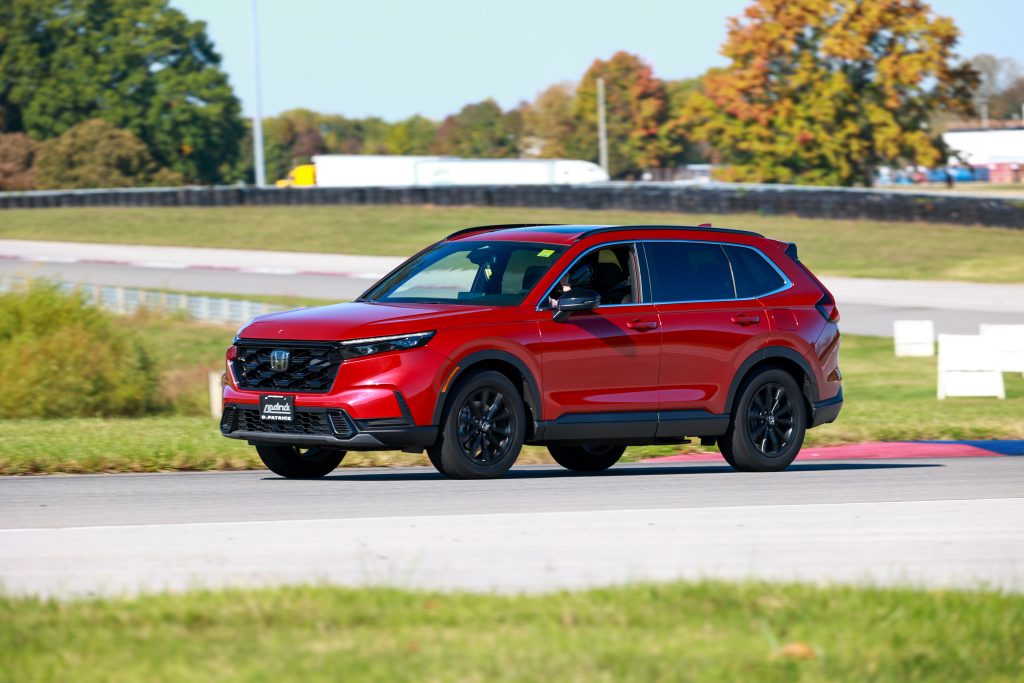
{"x": 120, "y": 93}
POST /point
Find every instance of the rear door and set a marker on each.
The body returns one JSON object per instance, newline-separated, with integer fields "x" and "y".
{"x": 707, "y": 330}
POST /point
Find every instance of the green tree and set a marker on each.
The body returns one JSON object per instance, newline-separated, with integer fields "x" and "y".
{"x": 414, "y": 135}
{"x": 17, "y": 155}
{"x": 823, "y": 91}
{"x": 635, "y": 104}
{"x": 96, "y": 154}
{"x": 480, "y": 130}
{"x": 139, "y": 64}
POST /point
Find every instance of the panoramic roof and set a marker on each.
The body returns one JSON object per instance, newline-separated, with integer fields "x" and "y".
{"x": 565, "y": 234}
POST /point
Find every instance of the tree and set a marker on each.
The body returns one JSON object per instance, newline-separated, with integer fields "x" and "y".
{"x": 822, "y": 92}
{"x": 548, "y": 121}
{"x": 1009, "y": 103}
{"x": 17, "y": 154}
{"x": 995, "y": 76}
{"x": 414, "y": 135}
{"x": 480, "y": 130}
{"x": 635, "y": 102}
{"x": 139, "y": 64}
{"x": 96, "y": 154}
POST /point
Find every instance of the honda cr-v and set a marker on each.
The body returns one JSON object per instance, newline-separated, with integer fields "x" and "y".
{"x": 584, "y": 339}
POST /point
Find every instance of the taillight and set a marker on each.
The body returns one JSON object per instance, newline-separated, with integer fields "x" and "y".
{"x": 826, "y": 305}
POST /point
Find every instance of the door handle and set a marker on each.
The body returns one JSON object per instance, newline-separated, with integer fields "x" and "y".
{"x": 745, "y": 319}
{"x": 642, "y": 325}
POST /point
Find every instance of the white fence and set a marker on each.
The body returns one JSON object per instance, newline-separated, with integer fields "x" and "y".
{"x": 128, "y": 300}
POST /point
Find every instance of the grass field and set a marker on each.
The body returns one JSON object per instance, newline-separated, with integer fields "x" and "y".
{"x": 833, "y": 247}
{"x": 886, "y": 398}
{"x": 674, "y": 632}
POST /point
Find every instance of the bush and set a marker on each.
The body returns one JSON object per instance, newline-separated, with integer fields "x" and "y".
{"x": 96, "y": 154}
{"x": 60, "y": 357}
{"x": 17, "y": 153}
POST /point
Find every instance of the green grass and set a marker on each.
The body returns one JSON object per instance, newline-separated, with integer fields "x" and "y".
{"x": 835, "y": 247}
{"x": 887, "y": 398}
{"x": 673, "y": 632}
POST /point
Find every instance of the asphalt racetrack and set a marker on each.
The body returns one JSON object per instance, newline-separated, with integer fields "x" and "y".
{"x": 921, "y": 522}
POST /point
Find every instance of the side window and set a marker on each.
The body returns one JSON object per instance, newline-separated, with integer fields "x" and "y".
{"x": 754, "y": 275}
{"x": 610, "y": 271}
{"x": 689, "y": 271}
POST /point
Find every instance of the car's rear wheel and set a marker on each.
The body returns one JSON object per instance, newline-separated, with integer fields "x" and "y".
{"x": 586, "y": 458}
{"x": 768, "y": 425}
{"x": 292, "y": 462}
{"x": 482, "y": 430}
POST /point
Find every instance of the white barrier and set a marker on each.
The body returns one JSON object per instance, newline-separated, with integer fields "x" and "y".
{"x": 914, "y": 337}
{"x": 1007, "y": 343}
{"x": 968, "y": 366}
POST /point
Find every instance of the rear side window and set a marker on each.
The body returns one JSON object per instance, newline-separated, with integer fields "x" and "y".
{"x": 754, "y": 275}
{"x": 689, "y": 271}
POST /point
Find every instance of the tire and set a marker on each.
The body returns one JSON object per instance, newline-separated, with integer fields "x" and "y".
{"x": 586, "y": 458}
{"x": 768, "y": 424}
{"x": 291, "y": 462}
{"x": 482, "y": 429}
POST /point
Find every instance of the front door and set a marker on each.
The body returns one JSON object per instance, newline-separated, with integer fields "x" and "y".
{"x": 600, "y": 368}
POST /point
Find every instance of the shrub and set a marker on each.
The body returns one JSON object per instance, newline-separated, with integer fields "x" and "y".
{"x": 17, "y": 153}
{"x": 96, "y": 154}
{"x": 60, "y": 357}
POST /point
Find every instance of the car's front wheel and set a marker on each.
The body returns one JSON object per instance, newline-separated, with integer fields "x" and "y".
{"x": 482, "y": 430}
{"x": 292, "y": 462}
{"x": 586, "y": 458}
{"x": 768, "y": 425}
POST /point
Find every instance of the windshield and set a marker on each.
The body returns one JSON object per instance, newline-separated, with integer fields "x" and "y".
{"x": 479, "y": 273}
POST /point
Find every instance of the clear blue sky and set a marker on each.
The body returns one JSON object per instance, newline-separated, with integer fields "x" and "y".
{"x": 395, "y": 58}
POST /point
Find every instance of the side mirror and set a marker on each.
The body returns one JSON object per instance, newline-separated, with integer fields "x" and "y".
{"x": 575, "y": 300}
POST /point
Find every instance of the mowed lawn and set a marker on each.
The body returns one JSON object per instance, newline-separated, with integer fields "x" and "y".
{"x": 674, "y": 632}
{"x": 886, "y": 398}
{"x": 834, "y": 247}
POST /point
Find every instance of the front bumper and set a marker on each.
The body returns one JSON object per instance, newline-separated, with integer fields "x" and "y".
{"x": 325, "y": 427}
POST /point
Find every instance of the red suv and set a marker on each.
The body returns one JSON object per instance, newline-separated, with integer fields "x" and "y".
{"x": 581, "y": 338}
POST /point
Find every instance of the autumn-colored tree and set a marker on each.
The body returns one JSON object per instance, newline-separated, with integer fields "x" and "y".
{"x": 414, "y": 135}
{"x": 548, "y": 121}
{"x": 823, "y": 91}
{"x": 635, "y": 104}
{"x": 17, "y": 154}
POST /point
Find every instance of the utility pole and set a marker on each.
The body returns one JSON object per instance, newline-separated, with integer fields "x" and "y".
{"x": 602, "y": 129}
{"x": 257, "y": 119}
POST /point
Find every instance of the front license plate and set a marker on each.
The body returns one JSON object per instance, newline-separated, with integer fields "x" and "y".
{"x": 277, "y": 408}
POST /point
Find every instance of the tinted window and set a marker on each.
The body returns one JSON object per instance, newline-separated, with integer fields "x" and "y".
{"x": 754, "y": 275}
{"x": 689, "y": 271}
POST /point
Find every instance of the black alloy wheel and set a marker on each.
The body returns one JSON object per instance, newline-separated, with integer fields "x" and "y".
{"x": 483, "y": 428}
{"x": 293, "y": 462}
{"x": 768, "y": 423}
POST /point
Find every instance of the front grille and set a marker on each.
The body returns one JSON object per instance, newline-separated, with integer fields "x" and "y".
{"x": 312, "y": 421}
{"x": 312, "y": 366}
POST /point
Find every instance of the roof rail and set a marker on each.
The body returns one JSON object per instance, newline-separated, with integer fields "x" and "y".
{"x": 610, "y": 228}
{"x": 490, "y": 228}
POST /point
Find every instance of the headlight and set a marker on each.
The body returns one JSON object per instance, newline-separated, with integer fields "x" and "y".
{"x": 357, "y": 348}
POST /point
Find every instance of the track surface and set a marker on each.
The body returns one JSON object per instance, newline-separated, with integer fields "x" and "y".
{"x": 957, "y": 522}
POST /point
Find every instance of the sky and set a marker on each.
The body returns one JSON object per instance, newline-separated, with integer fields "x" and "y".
{"x": 396, "y": 58}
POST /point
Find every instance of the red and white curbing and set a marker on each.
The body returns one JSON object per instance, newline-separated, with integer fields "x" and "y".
{"x": 870, "y": 450}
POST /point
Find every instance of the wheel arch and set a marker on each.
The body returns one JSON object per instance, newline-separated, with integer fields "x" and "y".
{"x": 783, "y": 358}
{"x": 500, "y": 361}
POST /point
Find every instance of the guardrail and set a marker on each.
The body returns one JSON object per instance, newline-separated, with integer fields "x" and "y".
{"x": 128, "y": 300}
{"x": 714, "y": 198}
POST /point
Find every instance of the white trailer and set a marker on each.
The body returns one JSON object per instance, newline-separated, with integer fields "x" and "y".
{"x": 981, "y": 147}
{"x": 359, "y": 170}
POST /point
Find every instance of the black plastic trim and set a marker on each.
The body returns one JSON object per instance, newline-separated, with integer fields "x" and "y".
{"x": 688, "y": 228}
{"x": 375, "y": 440}
{"x": 768, "y": 353}
{"x": 828, "y": 410}
{"x": 632, "y": 427}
